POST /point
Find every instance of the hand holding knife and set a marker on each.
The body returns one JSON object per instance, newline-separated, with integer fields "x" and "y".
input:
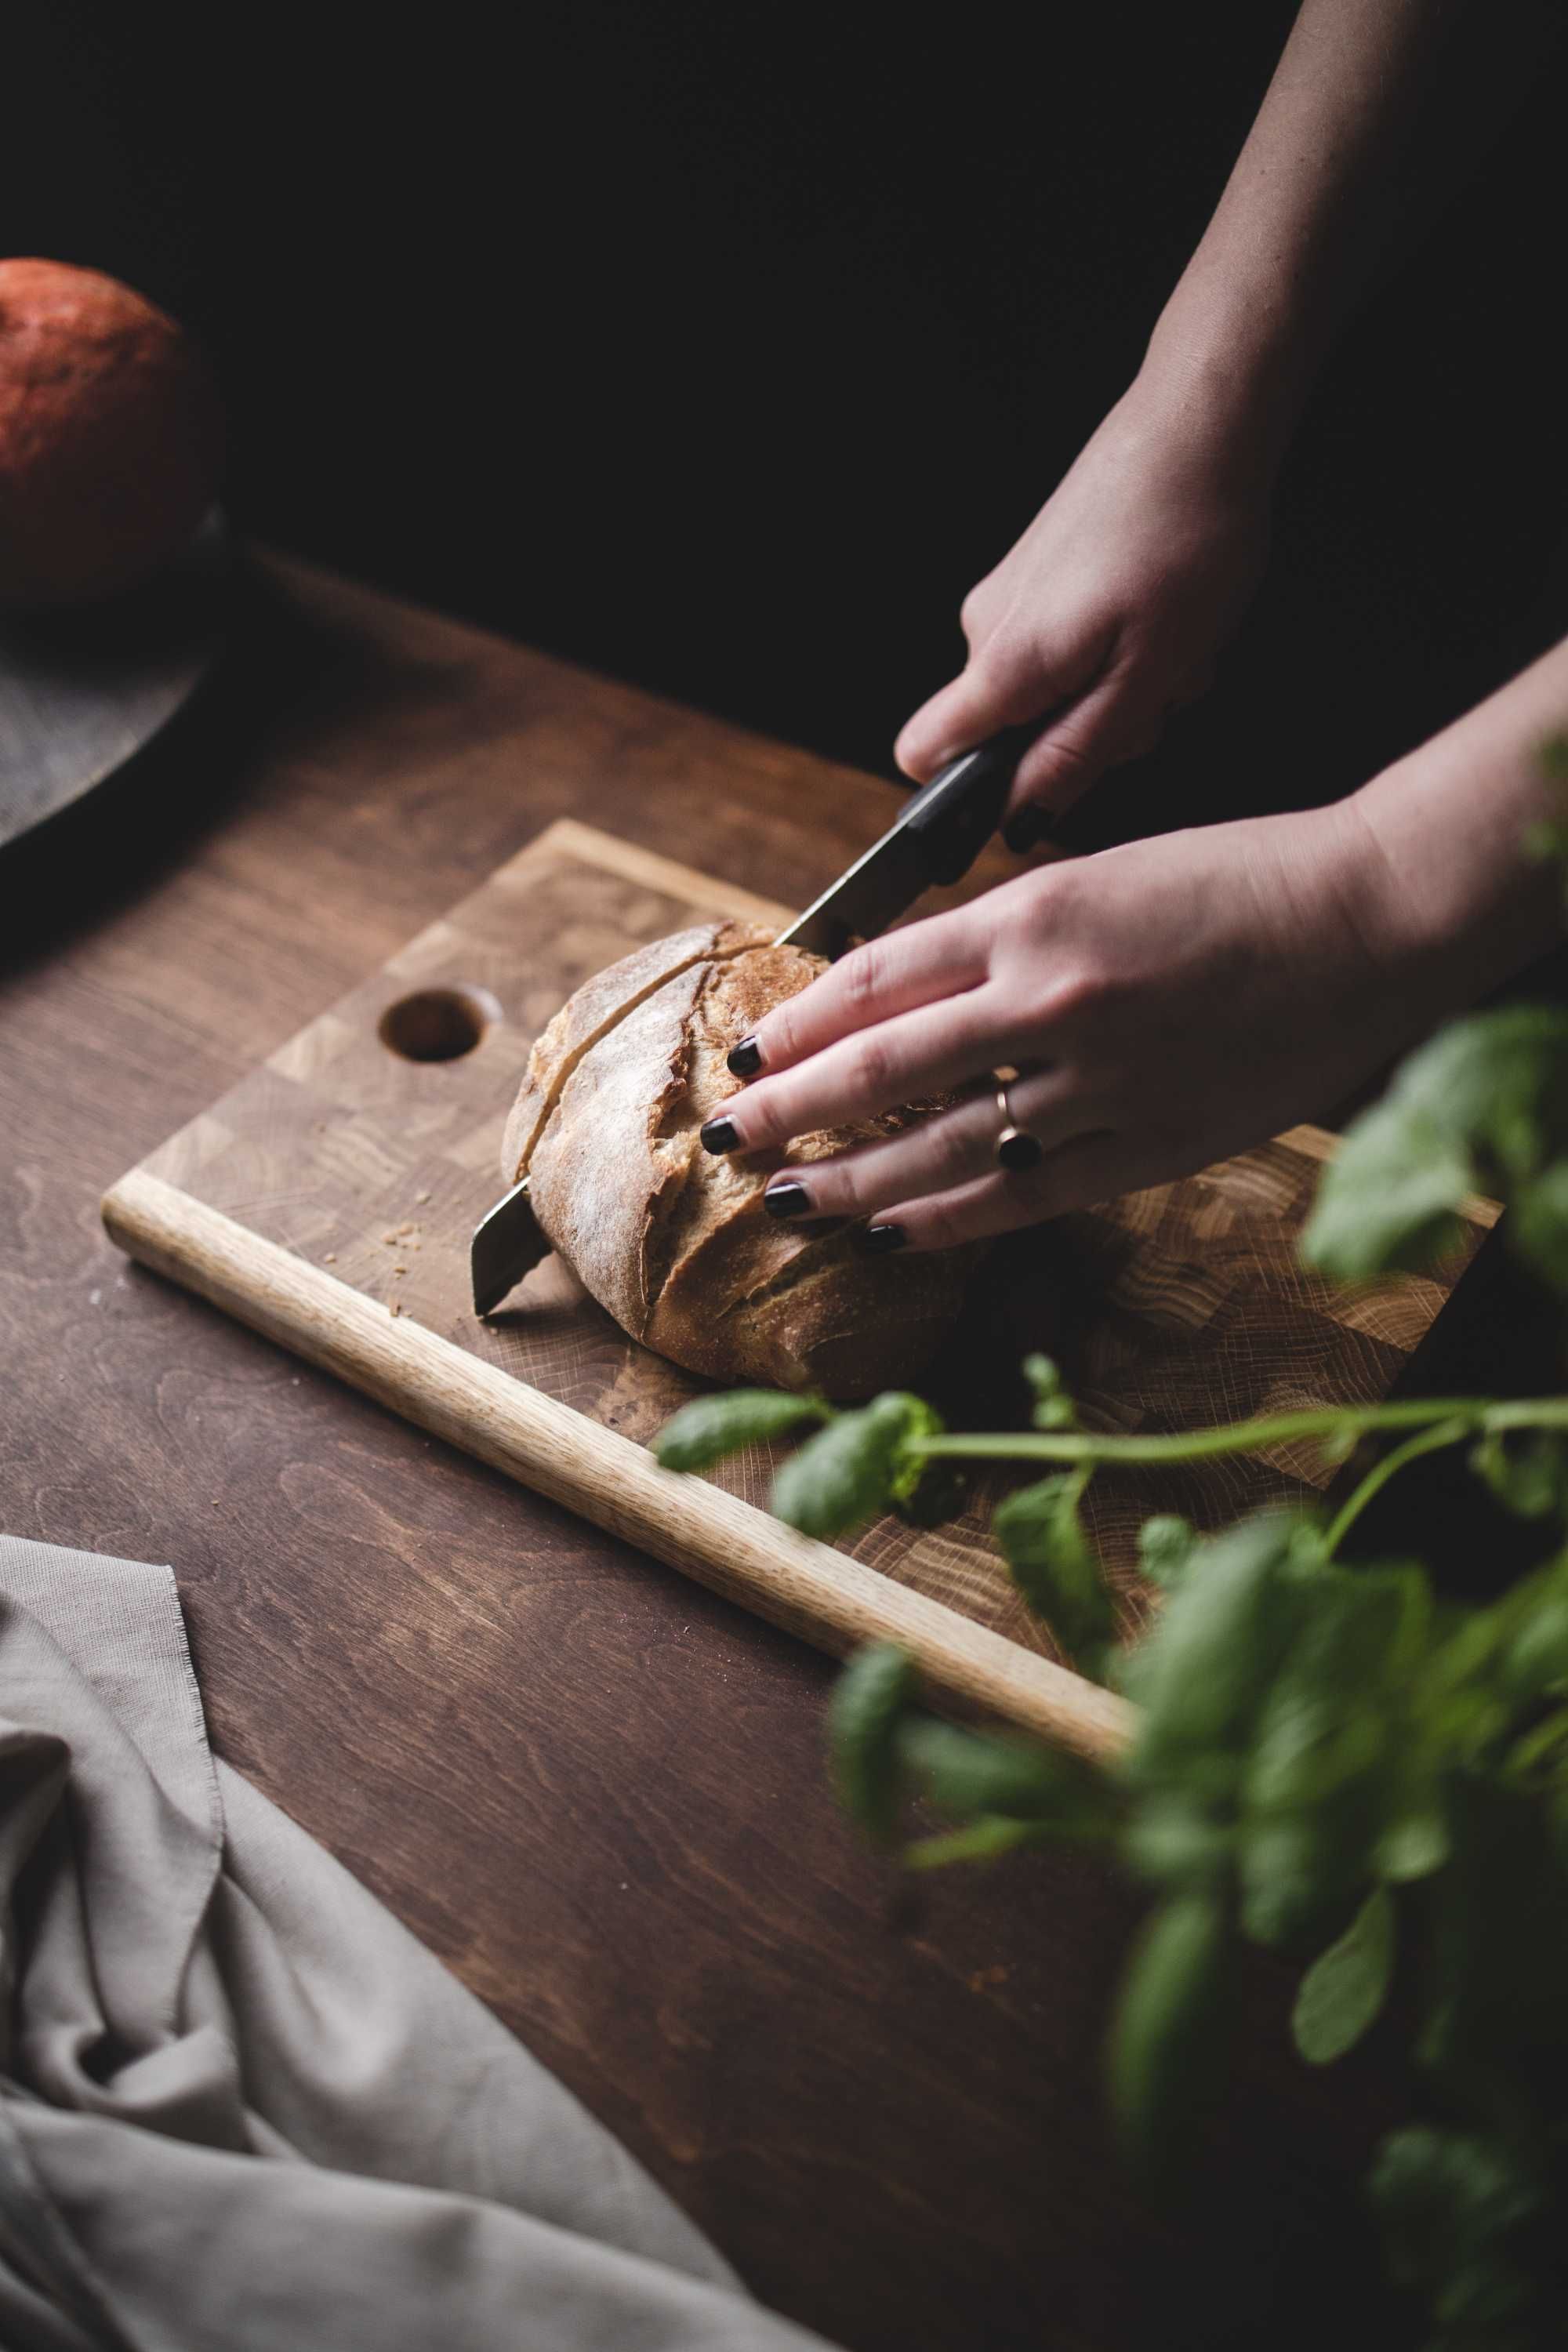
{"x": 934, "y": 840}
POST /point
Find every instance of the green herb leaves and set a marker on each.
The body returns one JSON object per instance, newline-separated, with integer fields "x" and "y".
{"x": 857, "y": 1465}
{"x": 1042, "y": 1538}
{"x": 1169, "y": 2033}
{"x": 1482, "y": 1109}
{"x": 1007, "y": 1790}
{"x": 854, "y": 1468}
{"x": 1328, "y": 1760}
{"x": 1346, "y": 1985}
{"x": 863, "y": 1723}
{"x": 703, "y": 1432}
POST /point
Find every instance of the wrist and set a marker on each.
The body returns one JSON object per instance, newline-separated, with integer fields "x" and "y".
{"x": 1448, "y": 881}
{"x": 1229, "y": 378}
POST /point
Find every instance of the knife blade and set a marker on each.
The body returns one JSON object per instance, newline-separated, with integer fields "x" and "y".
{"x": 508, "y": 1243}
{"x": 935, "y": 838}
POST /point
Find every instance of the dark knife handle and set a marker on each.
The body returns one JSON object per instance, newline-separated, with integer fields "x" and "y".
{"x": 952, "y": 818}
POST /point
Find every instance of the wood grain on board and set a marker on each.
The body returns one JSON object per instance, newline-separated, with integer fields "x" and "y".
{"x": 344, "y": 1172}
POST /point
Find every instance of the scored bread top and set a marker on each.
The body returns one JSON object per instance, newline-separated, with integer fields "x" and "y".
{"x": 592, "y": 1012}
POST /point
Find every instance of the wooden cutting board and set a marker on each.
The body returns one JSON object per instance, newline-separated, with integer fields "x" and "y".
{"x": 328, "y": 1201}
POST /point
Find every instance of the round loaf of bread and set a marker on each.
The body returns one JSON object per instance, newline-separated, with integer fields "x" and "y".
{"x": 673, "y": 1240}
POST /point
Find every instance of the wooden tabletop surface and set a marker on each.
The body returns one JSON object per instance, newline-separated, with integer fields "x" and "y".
{"x": 594, "y": 1789}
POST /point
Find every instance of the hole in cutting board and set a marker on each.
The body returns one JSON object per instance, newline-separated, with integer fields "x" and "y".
{"x": 437, "y": 1024}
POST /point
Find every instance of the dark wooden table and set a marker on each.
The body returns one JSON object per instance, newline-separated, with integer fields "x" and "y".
{"x": 594, "y": 1790}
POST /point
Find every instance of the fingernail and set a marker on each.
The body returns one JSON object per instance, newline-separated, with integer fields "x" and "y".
{"x": 877, "y": 1240}
{"x": 718, "y": 1135}
{"x": 744, "y": 1060}
{"x": 787, "y": 1199}
{"x": 1026, "y": 830}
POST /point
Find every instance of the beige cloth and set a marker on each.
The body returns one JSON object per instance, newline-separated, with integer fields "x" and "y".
{"x": 240, "y": 2107}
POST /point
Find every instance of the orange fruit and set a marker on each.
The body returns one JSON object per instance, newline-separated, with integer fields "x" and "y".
{"x": 110, "y": 435}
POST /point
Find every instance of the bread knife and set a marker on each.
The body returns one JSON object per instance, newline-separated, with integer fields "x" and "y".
{"x": 935, "y": 838}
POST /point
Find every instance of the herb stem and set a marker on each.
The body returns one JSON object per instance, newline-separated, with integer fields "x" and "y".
{"x": 1426, "y": 1440}
{"x": 1471, "y": 1413}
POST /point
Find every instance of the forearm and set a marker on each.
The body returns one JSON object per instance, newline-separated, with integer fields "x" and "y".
{"x": 1375, "y": 106}
{"x": 1460, "y": 897}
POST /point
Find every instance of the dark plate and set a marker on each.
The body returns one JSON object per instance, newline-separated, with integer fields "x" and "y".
{"x": 82, "y": 691}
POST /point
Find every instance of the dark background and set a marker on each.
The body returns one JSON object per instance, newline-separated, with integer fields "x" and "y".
{"x": 723, "y": 348}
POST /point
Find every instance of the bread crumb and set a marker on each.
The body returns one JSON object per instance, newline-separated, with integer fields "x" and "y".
{"x": 420, "y": 1198}
{"x": 396, "y": 1307}
{"x": 331, "y": 1259}
{"x": 389, "y": 1239}
{"x": 404, "y": 1229}
{"x": 400, "y": 1269}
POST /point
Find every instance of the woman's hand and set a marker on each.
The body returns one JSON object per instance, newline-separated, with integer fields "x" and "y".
{"x": 1169, "y": 1003}
{"x": 1110, "y": 609}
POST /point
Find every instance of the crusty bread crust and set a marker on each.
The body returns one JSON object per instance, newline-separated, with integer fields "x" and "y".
{"x": 674, "y": 1240}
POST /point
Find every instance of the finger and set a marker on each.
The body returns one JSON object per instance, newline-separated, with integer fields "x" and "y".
{"x": 996, "y": 689}
{"x": 903, "y": 968}
{"x": 1075, "y": 1175}
{"x": 1099, "y": 730}
{"x": 877, "y": 1069}
{"x": 950, "y": 1148}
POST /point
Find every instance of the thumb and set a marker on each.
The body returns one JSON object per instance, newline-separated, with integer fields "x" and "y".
{"x": 979, "y": 701}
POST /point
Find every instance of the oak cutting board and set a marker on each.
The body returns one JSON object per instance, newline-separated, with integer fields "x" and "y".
{"x": 329, "y": 1198}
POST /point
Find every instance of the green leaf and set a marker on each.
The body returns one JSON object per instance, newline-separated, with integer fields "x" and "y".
{"x": 712, "y": 1426}
{"x": 910, "y": 1469}
{"x": 1456, "y": 2211}
{"x": 940, "y": 1493}
{"x": 1553, "y": 758}
{"x": 1413, "y": 1846}
{"x": 1528, "y": 1477}
{"x": 1324, "y": 1717}
{"x": 1325, "y": 1771}
{"x": 1053, "y": 1407}
{"x": 846, "y": 1474}
{"x": 968, "y": 1772}
{"x": 1483, "y": 1106}
{"x": 1535, "y": 1663}
{"x": 1165, "y": 1550}
{"x": 871, "y": 1697}
{"x": 985, "y": 1840}
{"x": 1179, "y": 1843}
{"x": 1538, "y": 1224}
{"x": 1389, "y": 1200}
{"x": 1346, "y": 1985}
{"x": 1202, "y": 1671}
{"x": 1055, "y": 1565}
{"x": 1169, "y": 2031}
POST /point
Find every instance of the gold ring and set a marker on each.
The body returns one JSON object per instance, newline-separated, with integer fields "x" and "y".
{"x": 1015, "y": 1149}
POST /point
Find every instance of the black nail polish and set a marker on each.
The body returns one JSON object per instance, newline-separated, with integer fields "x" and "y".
{"x": 1019, "y": 1151}
{"x": 877, "y": 1240}
{"x": 744, "y": 1060}
{"x": 718, "y": 1135}
{"x": 1026, "y": 830}
{"x": 787, "y": 1199}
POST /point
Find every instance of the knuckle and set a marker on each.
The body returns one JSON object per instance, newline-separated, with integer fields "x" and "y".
{"x": 1067, "y": 755}
{"x": 1066, "y": 995}
{"x": 954, "y": 1149}
{"x": 998, "y": 665}
{"x": 864, "y": 975}
{"x": 870, "y": 1070}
